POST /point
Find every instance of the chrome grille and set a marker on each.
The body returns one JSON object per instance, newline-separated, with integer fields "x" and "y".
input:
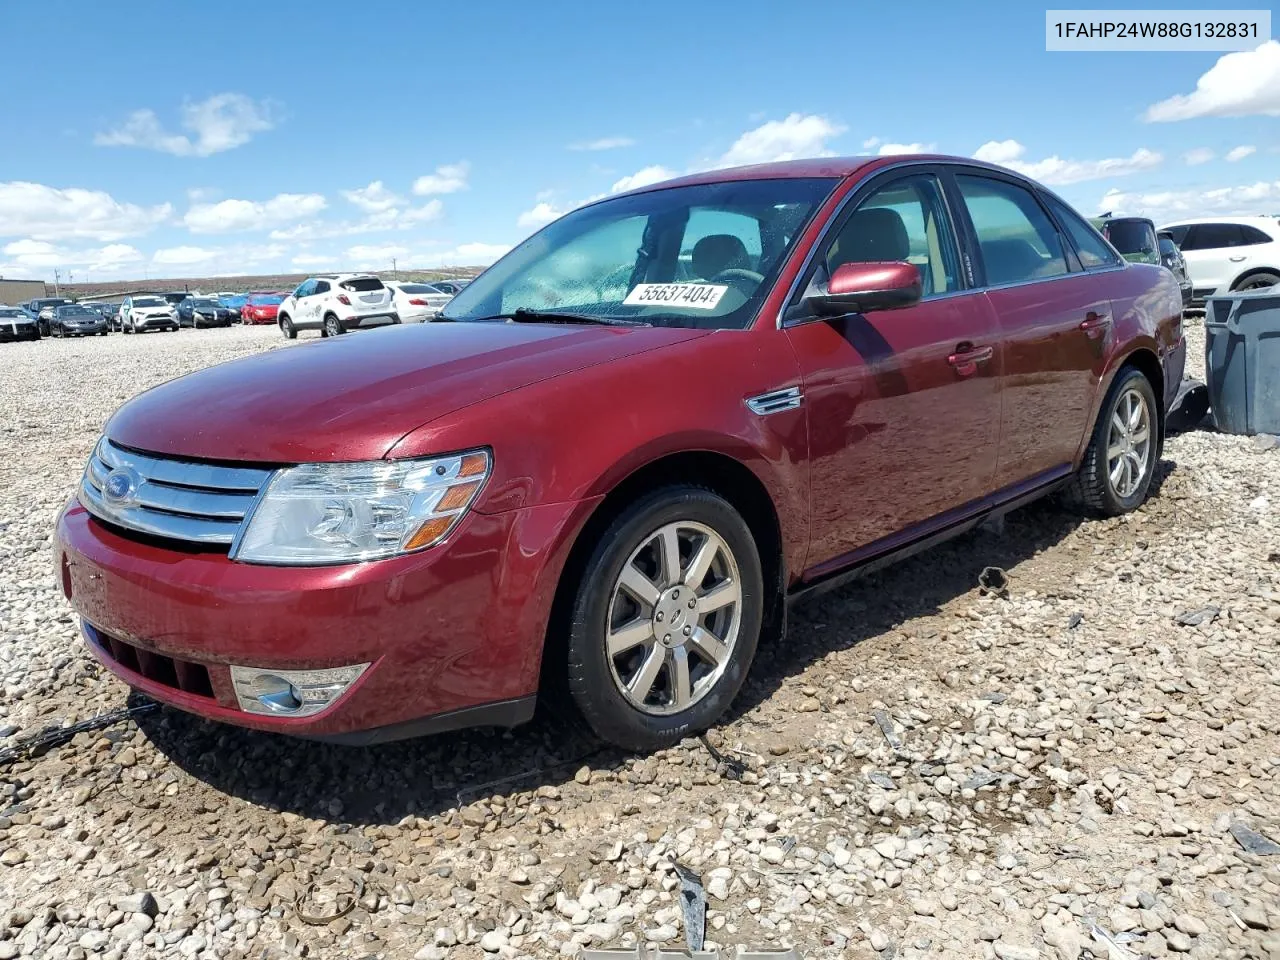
{"x": 178, "y": 499}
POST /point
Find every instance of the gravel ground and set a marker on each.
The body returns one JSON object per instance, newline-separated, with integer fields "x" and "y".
{"x": 925, "y": 769}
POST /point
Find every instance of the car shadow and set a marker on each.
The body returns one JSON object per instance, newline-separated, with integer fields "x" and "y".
{"x": 386, "y": 783}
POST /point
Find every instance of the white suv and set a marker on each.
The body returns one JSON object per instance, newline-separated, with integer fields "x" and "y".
{"x": 147, "y": 312}
{"x": 1228, "y": 253}
{"x": 335, "y": 303}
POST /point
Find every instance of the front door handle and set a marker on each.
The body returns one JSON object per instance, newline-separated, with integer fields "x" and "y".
{"x": 1237, "y": 259}
{"x": 1095, "y": 324}
{"x": 967, "y": 357}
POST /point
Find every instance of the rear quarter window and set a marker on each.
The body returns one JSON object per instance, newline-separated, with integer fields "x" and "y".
{"x": 361, "y": 284}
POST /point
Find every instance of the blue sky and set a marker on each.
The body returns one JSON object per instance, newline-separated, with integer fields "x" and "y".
{"x": 162, "y": 139}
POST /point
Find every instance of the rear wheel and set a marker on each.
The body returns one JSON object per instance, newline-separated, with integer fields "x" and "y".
{"x": 287, "y": 328}
{"x": 665, "y": 619}
{"x": 1257, "y": 281}
{"x": 333, "y": 326}
{"x": 1120, "y": 461}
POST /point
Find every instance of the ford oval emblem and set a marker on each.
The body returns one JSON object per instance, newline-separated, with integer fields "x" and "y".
{"x": 120, "y": 486}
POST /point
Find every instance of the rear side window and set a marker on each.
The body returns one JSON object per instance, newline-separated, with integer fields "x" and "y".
{"x": 418, "y": 288}
{"x": 1090, "y": 247}
{"x": 1017, "y": 239}
{"x": 322, "y": 286}
{"x": 360, "y": 285}
{"x": 1213, "y": 236}
{"x": 1253, "y": 235}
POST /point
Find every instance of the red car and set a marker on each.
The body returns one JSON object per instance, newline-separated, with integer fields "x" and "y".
{"x": 646, "y": 430}
{"x": 261, "y": 308}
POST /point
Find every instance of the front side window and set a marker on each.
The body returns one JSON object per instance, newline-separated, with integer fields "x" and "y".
{"x": 704, "y": 255}
{"x": 1090, "y": 247}
{"x": 903, "y": 220}
{"x": 321, "y": 286}
{"x": 1017, "y": 239}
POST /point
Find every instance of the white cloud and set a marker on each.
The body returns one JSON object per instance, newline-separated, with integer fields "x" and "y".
{"x": 41, "y": 255}
{"x": 309, "y": 260}
{"x": 604, "y": 143}
{"x": 1242, "y": 84}
{"x": 230, "y": 215}
{"x": 449, "y": 178}
{"x": 183, "y": 256}
{"x": 222, "y": 122}
{"x": 379, "y": 222}
{"x": 642, "y": 178}
{"x": 870, "y": 143}
{"x": 542, "y": 212}
{"x": 1198, "y": 156}
{"x": 1162, "y": 206}
{"x": 374, "y": 197}
{"x": 1058, "y": 172}
{"x": 894, "y": 149}
{"x": 49, "y": 213}
{"x": 464, "y": 255}
{"x": 374, "y": 256}
{"x": 798, "y": 135}
{"x": 1236, "y": 154}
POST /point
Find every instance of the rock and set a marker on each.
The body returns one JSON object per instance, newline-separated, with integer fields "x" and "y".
{"x": 1064, "y": 937}
{"x": 1177, "y": 941}
{"x": 1014, "y": 951}
{"x": 924, "y": 907}
{"x": 1191, "y": 926}
{"x": 142, "y": 902}
{"x": 1254, "y": 916}
{"x": 661, "y": 934}
{"x": 493, "y": 941}
{"x": 94, "y": 940}
{"x": 430, "y": 952}
{"x": 772, "y": 854}
{"x": 1264, "y": 442}
{"x": 584, "y": 773}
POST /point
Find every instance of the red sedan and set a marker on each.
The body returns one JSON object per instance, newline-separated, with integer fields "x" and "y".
{"x": 261, "y": 308}
{"x": 645, "y": 432}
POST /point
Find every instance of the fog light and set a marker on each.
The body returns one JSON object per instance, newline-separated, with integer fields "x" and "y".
{"x": 291, "y": 693}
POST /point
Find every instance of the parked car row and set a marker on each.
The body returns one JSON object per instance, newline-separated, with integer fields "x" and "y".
{"x": 1210, "y": 256}
{"x": 332, "y": 304}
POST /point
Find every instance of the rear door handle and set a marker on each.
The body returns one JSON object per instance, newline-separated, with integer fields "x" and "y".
{"x": 1095, "y": 324}
{"x": 967, "y": 357}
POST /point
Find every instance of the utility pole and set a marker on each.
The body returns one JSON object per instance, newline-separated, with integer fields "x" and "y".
{"x": 394, "y": 271}
{"x": 56, "y": 278}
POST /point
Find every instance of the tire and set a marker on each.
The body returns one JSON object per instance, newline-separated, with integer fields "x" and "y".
{"x": 195, "y": 323}
{"x": 333, "y": 326}
{"x": 655, "y": 719}
{"x": 1256, "y": 281}
{"x": 287, "y": 328}
{"x": 1092, "y": 488}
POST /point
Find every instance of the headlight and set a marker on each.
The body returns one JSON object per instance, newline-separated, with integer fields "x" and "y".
{"x": 347, "y": 512}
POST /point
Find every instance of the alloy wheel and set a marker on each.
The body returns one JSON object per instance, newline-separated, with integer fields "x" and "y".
{"x": 674, "y": 618}
{"x": 332, "y": 327}
{"x": 1128, "y": 443}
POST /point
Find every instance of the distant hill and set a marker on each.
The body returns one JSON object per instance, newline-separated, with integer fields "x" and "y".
{"x": 276, "y": 281}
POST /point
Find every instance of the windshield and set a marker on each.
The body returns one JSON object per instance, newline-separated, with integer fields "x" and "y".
{"x": 75, "y": 311}
{"x": 148, "y": 302}
{"x": 10, "y": 312}
{"x": 265, "y": 299}
{"x": 209, "y": 302}
{"x": 697, "y": 256}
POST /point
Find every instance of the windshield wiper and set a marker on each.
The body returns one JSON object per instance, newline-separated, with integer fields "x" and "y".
{"x": 525, "y": 315}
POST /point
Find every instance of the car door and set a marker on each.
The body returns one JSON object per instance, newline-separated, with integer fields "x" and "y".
{"x": 903, "y": 405}
{"x": 302, "y": 302}
{"x": 1055, "y": 320}
{"x": 315, "y": 302}
{"x": 1215, "y": 253}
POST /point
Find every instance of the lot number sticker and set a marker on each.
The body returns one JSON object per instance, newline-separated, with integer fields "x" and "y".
{"x": 691, "y": 296}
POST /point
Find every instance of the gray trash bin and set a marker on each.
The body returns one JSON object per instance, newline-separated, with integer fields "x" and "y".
{"x": 1242, "y": 361}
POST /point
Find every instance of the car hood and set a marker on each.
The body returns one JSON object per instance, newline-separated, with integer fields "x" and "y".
{"x": 353, "y": 397}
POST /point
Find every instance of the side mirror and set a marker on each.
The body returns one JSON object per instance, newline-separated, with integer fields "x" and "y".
{"x": 864, "y": 287}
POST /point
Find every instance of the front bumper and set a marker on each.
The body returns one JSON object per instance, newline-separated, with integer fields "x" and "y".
{"x": 26, "y": 329}
{"x": 150, "y": 323}
{"x": 454, "y": 634}
{"x": 84, "y": 329}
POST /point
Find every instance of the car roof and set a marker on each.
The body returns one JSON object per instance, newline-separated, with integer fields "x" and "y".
{"x": 1270, "y": 222}
{"x": 814, "y": 167}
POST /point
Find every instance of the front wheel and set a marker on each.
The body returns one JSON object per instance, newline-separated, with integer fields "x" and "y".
{"x": 287, "y": 328}
{"x": 1120, "y": 461}
{"x": 666, "y": 619}
{"x": 333, "y": 326}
